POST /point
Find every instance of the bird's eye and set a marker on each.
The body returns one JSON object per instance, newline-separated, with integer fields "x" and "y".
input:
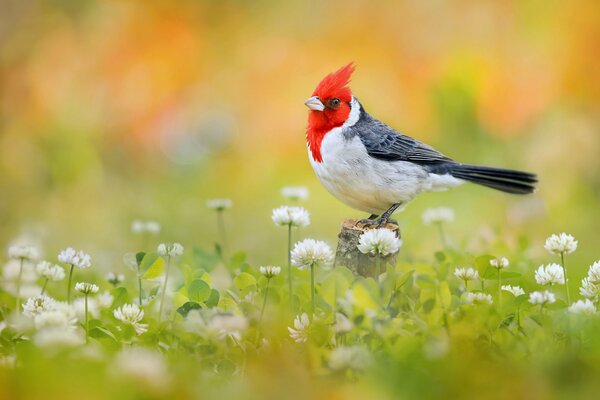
{"x": 334, "y": 103}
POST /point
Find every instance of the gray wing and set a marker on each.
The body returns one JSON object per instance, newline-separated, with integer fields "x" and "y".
{"x": 385, "y": 143}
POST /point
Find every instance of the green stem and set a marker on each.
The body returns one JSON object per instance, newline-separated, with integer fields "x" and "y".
{"x": 312, "y": 291}
{"x": 221, "y": 222}
{"x": 442, "y": 235}
{"x": 499, "y": 289}
{"x": 466, "y": 285}
{"x": 262, "y": 310}
{"x": 162, "y": 295}
{"x": 139, "y": 276}
{"x": 19, "y": 285}
{"x": 289, "y": 260}
{"x": 69, "y": 287}
{"x": 562, "y": 260}
{"x": 44, "y": 287}
{"x": 87, "y": 325}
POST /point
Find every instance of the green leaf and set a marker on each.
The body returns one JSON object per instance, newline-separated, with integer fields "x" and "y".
{"x": 482, "y": 264}
{"x": 152, "y": 266}
{"x": 100, "y": 332}
{"x": 139, "y": 257}
{"x": 213, "y": 299}
{"x": 120, "y": 296}
{"x": 243, "y": 280}
{"x": 238, "y": 260}
{"x": 198, "y": 291}
{"x": 187, "y": 307}
{"x": 440, "y": 256}
{"x": 404, "y": 278}
{"x": 444, "y": 293}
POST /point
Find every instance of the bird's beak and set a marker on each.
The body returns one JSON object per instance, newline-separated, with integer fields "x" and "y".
{"x": 314, "y": 103}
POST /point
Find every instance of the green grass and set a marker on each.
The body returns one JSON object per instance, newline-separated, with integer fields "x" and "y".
{"x": 411, "y": 335}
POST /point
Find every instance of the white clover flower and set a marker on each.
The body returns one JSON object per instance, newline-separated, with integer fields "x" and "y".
{"x": 114, "y": 279}
{"x": 219, "y": 204}
{"x": 170, "y": 249}
{"x": 515, "y": 290}
{"x": 295, "y": 193}
{"x": 54, "y": 319}
{"x": 311, "y": 253}
{"x": 270, "y": 271}
{"x": 131, "y": 314}
{"x": 588, "y": 289}
{"x": 551, "y": 274}
{"x": 342, "y": 324}
{"x": 105, "y": 299}
{"x": 216, "y": 327}
{"x": 379, "y": 241}
{"x": 291, "y": 216}
{"x": 229, "y": 325}
{"x": 583, "y": 307}
{"x": 58, "y": 337}
{"x": 545, "y": 297}
{"x": 50, "y": 271}
{"x": 38, "y": 304}
{"x": 301, "y": 327}
{"x": 78, "y": 259}
{"x": 466, "y": 274}
{"x": 145, "y": 367}
{"x": 78, "y": 308}
{"x": 86, "y": 288}
{"x": 594, "y": 273}
{"x": 561, "y": 244}
{"x": 141, "y": 227}
{"x": 499, "y": 263}
{"x": 437, "y": 215}
{"x": 349, "y": 357}
{"x": 478, "y": 298}
{"x": 22, "y": 252}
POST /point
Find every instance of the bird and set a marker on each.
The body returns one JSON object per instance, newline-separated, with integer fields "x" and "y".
{"x": 375, "y": 169}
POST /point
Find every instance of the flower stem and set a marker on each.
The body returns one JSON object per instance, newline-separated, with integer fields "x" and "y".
{"x": 262, "y": 310}
{"x": 499, "y": 289}
{"x": 162, "y": 295}
{"x": 139, "y": 276}
{"x": 19, "y": 285}
{"x": 312, "y": 290}
{"x": 221, "y": 222}
{"x": 44, "y": 287}
{"x": 289, "y": 260}
{"x": 69, "y": 287}
{"x": 562, "y": 260}
{"x": 87, "y": 325}
{"x": 442, "y": 235}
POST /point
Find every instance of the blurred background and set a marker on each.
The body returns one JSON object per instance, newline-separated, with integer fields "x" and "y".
{"x": 112, "y": 111}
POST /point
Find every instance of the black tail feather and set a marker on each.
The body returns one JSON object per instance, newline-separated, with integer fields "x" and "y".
{"x": 505, "y": 180}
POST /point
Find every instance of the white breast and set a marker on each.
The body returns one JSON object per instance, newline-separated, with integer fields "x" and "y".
{"x": 366, "y": 183}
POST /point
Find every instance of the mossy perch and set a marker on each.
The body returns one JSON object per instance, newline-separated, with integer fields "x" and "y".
{"x": 348, "y": 255}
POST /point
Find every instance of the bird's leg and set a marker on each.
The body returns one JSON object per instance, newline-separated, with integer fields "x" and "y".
{"x": 385, "y": 217}
{"x": 369, "y": 221}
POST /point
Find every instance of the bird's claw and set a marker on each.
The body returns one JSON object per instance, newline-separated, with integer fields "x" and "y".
{"x": 366, "y": 223}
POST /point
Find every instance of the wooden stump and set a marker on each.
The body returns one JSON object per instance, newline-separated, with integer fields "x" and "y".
{"x": 348, "y": 255}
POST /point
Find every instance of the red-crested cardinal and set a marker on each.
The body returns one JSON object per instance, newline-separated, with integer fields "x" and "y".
{"x": 373, "y": 168}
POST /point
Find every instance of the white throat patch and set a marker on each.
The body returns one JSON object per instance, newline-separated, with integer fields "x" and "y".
{"x": 354, "y": 113}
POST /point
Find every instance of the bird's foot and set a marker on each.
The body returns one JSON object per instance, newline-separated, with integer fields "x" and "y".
{"x": 381, "y": 222}
{"x": 366, "y": 223}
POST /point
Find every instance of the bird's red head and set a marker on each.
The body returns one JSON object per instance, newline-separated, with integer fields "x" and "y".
{"x": 329, "y": 107}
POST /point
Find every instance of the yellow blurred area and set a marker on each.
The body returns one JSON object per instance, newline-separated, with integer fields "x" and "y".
{"x": 115, "y": 110}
